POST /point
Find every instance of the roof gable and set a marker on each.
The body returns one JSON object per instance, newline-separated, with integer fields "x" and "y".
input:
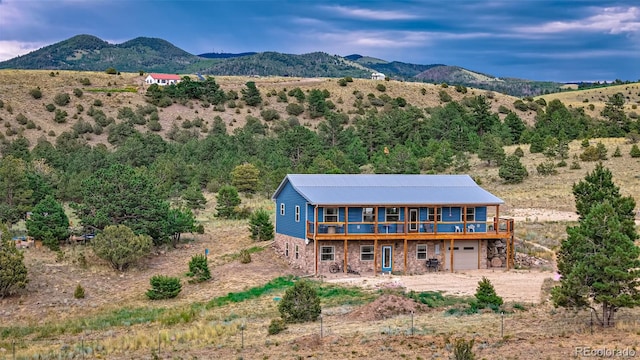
{"x": 369, "y": 189}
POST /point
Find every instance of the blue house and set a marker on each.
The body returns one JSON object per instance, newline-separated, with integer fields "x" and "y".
{"x": 390, "y": 223}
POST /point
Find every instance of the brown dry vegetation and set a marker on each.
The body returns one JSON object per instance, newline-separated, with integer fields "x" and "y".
{"x": 15, "y": 86}
{"x": 598, "y": 97}
{"x": 541, "y": 203}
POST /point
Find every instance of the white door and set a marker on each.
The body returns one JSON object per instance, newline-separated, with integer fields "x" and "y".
{"x": 465, "y": 254}
{"x": 387, "y": 259}
{"x": 413, "y": 220}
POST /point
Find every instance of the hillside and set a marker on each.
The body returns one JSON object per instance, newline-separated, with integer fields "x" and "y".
{"x": 229, "y": 315}
{"x": 225, "y": 55}
{"x": 316, "y": 64}
{"x": 593, "y": 100}
{"x": 89, "y": 53}
{"x": 128, "y": 90}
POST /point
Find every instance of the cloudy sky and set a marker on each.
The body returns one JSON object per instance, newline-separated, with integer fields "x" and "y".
{"x": 567, "y": 40}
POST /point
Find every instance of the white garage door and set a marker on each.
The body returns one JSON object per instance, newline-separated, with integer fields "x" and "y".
{"x": 465, "y": 254}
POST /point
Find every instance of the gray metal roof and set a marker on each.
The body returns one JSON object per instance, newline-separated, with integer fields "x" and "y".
{"x": 367, "y": 189}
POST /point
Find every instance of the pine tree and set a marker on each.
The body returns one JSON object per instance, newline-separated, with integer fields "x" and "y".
{"x": 260, "y": 225}
{"x": 617, "y": 153}
{"x": 199, "y": 268}
{"x": 599, "y": 261}
{"x": 486, "y": 294}
{"x": 491, "y": 150}
{"x": 515, "y": 125}
{"x": 48, "y": 223}
{"x": 245, "y": 177}
{"x": 300, "y": 303}
{"x": 635, "y": 151}
{"x": 13, "y": 272}
{"x": 228, "y": 200}
{"x": 251, "y": 95}
{"x": 512, "y": 171}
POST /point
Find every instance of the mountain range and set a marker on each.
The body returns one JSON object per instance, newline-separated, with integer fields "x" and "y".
{"x": 90, "y": 53}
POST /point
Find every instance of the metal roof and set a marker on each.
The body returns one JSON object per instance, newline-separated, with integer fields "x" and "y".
{"x": 367, "y": 189}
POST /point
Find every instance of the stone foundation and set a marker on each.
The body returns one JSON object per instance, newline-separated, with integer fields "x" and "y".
{"x": 302, "y": 259}
{"x": 496, "y": 253}
{"x": 286, "y": 246}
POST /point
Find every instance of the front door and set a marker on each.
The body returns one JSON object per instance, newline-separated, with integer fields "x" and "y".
{"x": 386, "y": 259}
{"x": 413, "y": 220}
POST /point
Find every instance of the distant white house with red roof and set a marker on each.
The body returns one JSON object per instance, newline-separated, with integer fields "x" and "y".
{"x": 162, "y": 79}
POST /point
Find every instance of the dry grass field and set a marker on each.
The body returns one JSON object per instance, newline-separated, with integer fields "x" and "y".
{"x": 116, "y": 321}
{"x": 597, "y": 97}
{"x": 128, "y": 89}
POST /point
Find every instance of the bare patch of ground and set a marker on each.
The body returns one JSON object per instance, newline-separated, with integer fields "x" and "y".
{"x": 513, "y": 285}
{"x": 385, "y": 307}
{"x": 536, "y": 215}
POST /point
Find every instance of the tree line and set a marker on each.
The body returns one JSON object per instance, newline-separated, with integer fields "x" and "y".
{"x": 395, "y": 138}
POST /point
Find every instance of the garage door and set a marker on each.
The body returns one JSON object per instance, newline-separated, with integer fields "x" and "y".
{"x": 465, "y": 254}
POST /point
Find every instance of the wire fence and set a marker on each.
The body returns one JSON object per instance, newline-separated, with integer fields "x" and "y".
{"x": 240, "y": 333}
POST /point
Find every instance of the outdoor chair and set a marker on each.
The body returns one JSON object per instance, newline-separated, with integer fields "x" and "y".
{"x": 433, "y": 265}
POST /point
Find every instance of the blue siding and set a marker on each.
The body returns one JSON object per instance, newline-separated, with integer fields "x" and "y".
{"x": 311, "y": 213}
{"x": 451, "y": 214}
{"x": 451, "y": 218}
{"x": 287, "y": 224}
{"x": 355, "y": 214}
{"x": 481, "y": 213}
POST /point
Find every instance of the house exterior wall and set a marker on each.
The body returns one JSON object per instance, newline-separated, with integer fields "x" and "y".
{"x": 162, "y": 82}
{"x": 435, "y": 250}
{"x": 287, "y": 224}
{"x": 451, "y": 220}
{"x": 286, "y": 246}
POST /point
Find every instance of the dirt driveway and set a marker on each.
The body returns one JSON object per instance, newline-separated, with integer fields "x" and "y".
{"x": 513, "y": 285}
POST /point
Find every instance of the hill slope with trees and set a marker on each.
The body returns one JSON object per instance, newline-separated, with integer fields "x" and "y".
{"x": 89, "y": 53}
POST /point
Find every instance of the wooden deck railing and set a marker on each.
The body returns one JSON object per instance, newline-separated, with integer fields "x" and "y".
{"x": 342, "y": 229}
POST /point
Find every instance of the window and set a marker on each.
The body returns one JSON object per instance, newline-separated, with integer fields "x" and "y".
{"x": 282, "y": 209}
{"x": 437, "y": 251}
{"x": 432, "y": 214}
{"x": 366, "y": 252}
{"x": 330, "y": 214}
{"x": 327, "y": 253}
{"x": 471, "y": 214}
{"x": 286, "y": 249}
{"x": 421, "y": 252}
{"x": 368, "y": 215}
{"x": 392, "y": 214}
{"x": 297, "y": 213}
{"x": 297, "y": 252}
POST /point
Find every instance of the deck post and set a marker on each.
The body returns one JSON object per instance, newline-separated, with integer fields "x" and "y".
{"x": 451, "y": 255}
{"x": 406, "y": 219}
{"x": 315, "y": 242}
{"x": 375, "y": 225}
{"x": 435, "y": 220}
{"x": 346, "y": 248}
{"x": 497, "y": 226}
{"x": 464, "y": 218}
{"x": 375, "y": 255}
{"x": 346, "y": 220}
{"x": 405, "y": 256}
